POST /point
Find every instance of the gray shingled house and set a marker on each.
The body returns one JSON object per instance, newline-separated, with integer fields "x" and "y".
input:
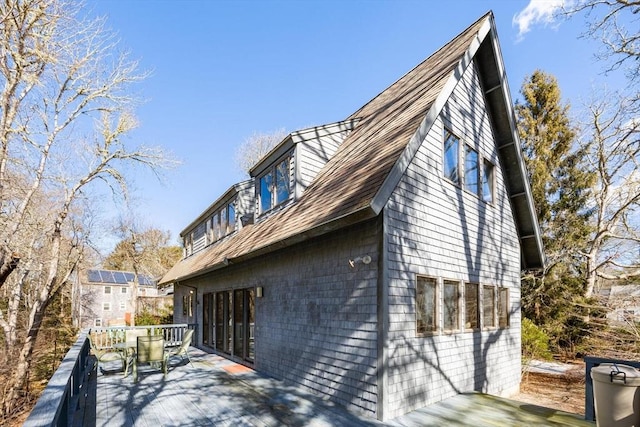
{"x": 377, "y": 260}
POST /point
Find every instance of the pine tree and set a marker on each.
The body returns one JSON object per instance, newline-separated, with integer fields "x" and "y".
{"x": 560, "y": 185}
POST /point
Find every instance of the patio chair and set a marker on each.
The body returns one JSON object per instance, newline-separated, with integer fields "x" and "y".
{"x": 183, "y": 349}
{"x": 131, "y": 342}
{"x": 106, "y": 354}
{"x": 150, "y": 350}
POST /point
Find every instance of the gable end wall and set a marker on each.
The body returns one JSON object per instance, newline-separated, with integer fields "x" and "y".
{"x": 439, "y": 230}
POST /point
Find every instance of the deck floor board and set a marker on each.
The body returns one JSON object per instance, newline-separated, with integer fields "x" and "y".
{"x": 215, "y": 392}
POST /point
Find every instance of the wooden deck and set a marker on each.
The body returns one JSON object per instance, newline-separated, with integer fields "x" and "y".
{"x": 216, "y": 391}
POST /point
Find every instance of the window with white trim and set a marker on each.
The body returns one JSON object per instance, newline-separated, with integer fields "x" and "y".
{"x": 488, "y": 182}
{"x": 451, "y": 159}
{"x": 471, "y": 170}
{"x": 107, "y": 289}
{"x": 97, "y": 322}
{"x": 275, "y": 185}
{"x": 221, "y": 223}
{"x": 106, "y": 306}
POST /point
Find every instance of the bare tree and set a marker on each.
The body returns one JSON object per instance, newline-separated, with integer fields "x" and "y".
{"x": 612, "y": 139}
{"x": 143, "y": 250}
{"x": 65, "y": 109}
{"x": 256, "y": 147}
{"x": 616, "y": 24}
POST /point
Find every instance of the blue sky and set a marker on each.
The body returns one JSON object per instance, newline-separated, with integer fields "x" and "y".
{"x": 224, "y": 70}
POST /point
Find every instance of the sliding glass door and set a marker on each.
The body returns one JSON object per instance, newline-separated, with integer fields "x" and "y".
{"x": 231, "y": 319}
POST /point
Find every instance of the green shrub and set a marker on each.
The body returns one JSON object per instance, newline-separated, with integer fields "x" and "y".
{"x": 535, "y": 342}
{"x": 147, "y": 318}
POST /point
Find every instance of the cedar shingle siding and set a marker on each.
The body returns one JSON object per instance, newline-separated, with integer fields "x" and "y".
{"x": 372, "y": 211}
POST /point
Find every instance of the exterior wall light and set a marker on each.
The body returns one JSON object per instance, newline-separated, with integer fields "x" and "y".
{"x": 365, "y": 260}
{"x": 259, "y": 292}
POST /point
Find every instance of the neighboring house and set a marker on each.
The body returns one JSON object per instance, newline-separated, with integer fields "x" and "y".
{"x": 103, "y": 297}
{"x": 377, "y": 260}
{"x": 623, "y": 302}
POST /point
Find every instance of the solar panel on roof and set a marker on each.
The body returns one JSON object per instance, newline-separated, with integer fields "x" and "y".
{"x": 94, "y": 276}
{"x": 145, "y": 280}
{"x": 128, "y": 276}
{"x": 107, "y": 276}
{"x": 120, "y": 277}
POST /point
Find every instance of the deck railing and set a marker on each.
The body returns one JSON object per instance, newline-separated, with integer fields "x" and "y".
{"x": 107, "y": 337}
{"x": 58, "y": 403}
{"x": 590, "y": 363}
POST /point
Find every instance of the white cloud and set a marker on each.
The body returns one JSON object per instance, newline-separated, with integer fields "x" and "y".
{"x": 537, "y": 12}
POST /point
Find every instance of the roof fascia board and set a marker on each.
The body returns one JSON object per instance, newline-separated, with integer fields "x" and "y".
{"x": 297, "y": 137}
{"x": 274, "y": 155}
{"x": 326, "y": 227}
{"x": 506, "y": 96}
{"x": 401, "y": 165}
{"x": 228, "y": 195}
{"x": 324, "y": 130}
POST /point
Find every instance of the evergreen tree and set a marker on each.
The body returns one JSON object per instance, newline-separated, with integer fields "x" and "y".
{"x": 560, "y": 185}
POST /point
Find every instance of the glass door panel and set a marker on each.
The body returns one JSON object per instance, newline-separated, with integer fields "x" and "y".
{"x": 251, "y": 320}
{"x": 238, "y": 320}
{"x": 206, "y": 318}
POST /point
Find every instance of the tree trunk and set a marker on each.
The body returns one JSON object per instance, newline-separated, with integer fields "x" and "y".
{"x": 18, "y": 380}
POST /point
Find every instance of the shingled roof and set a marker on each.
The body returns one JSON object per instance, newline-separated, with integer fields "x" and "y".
{"x": 390, "y": 129}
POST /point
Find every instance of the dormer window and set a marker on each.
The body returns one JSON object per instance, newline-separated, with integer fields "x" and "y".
{"x": 221, "y": 223}
{"x": 275, "y": 185}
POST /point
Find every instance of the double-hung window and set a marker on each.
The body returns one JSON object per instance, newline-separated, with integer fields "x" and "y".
{"x": 275, "y": 185}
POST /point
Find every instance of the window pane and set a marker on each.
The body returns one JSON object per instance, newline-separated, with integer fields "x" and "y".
{"x": 216, "y": 226}
{"x": 251, "y": 300}
{"x": 451, "y": 143}
{"x": 238, "y": 323}
{"x": 471, "y": 170}
{"x": 282, "y": 181}
{"x": 106, "y": 306}
{"x": 107, "y": 289}
{"x": 426, "y": 305}
{"x": 265, "y": 192}
{"x": 487, "y": 182}
{"x": 488, "y": 307}
{"x": 123, "y": 290}
{"x": 503, "y": 308}
{"x": 223, "y": 222}
{"x": 219, "y": 320}
{"x": 232, "y": 218}
{"x": 471, "y": 299}
{"x": 450, "y": 305}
